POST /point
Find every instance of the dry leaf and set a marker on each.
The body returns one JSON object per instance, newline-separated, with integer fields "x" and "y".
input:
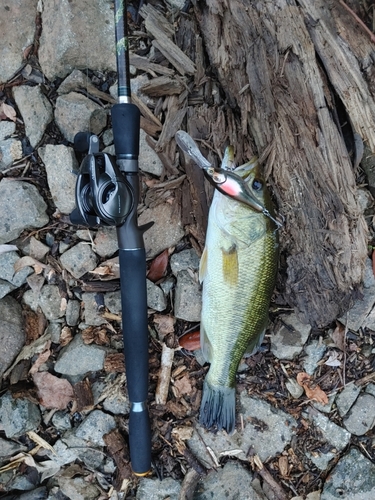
{"x": 53, "y": 392}
{"x": 65, "y": 336}
{"x": 30, "y": 350}
{"x": 158, "y": 266}
{"x": 28, "y": 261}
{"x": 114, "y": 363}
{"x": 42, "y": 358}
{"x": 35, "y": 324}
{"x": 8, "y": 112}
{"x": 8, "y": 248}
{"x": 183, "y": 385}
{"x": 40, "y": 441}
{"x": 283, "y": 465}
{"x": 164, "y": 324}
{"x": 190, "y": 341}
{"x": 333, "y": 359}
{"x": 312, "y": 392}
{"x": 108, "y": 270}
{"x": 95, "y": 334}
{"x": 338, "y": 336}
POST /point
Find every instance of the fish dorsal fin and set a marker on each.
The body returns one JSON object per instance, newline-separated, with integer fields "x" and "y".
{"x": 230, "y": 265}
{"x": 203, "y": 265}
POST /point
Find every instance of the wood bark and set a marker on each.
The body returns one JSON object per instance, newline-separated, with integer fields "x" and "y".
{"x": 287, "y": 69}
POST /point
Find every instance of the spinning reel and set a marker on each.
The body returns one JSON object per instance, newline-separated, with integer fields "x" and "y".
{"x": 103, "y": 195}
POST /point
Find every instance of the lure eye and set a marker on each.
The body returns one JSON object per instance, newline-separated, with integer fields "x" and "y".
{"x": 257, "y": 185}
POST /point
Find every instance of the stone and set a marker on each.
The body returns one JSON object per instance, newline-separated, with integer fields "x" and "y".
{"x": 112, "y": 300}
{"x": 18, "y": 416}
{"x": 37, "y": 494}
{"x": 289, "y": 338}
{"x": 6, "y": 129}
{"x": 154, "y": 489}
{"x": 167, "y": 230}
{"x": 361, "y": 417}
{"x": 95, "y": 426}
{"x": 9, "y": 448}
{"x": 91, "y": 312}
{"x": 12, "y": 336}
{"x": 10, "y": 150}
{"x": 15, "y": 194}
{"x": 61, "y": 421}
{"x": 76, "y": 80}
{"x": 79, "y": 260}
{"x": 149, "y": 161}
{"x": 60, "y": 163}
{"x": 78, "y": 488}
{"x": 51, "y": 303}
{"x": 77, "y": 358}
{"x": 352, "y": 478}
{"x": 188, "y": 298}
{"x": 36, "y": 111}
{"x": 72, "y": 314}
{"x": 231, "y": 481}
{"x": 294, "y": 388}
{"x": 314, "y": 353}
{"x": 105, "y": 242}
{"x": 17, "y": 28}
{"x": 269, "y": 430}
{"x": 7, "y": 262}
{"x": 346, "y": 398}
{"x": 186, "y": 259}
{"x": 332, "y": 434}
{"x": 76, "y": 113}
{"x": 155, "y": 297}
{"x": 85, "y": 34}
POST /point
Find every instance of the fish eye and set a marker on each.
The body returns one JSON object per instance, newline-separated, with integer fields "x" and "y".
{"x": 257, "y": 185}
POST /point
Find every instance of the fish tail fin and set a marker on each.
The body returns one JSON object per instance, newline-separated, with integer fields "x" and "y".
{"x": 218, "y": 407}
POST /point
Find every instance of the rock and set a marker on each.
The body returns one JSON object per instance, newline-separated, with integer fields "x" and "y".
{"x": 95, "y": 426}
{"x": 10, "y": 150}
{"x": 72, "y": 314}
{"x": 186, "y": 259}
{"x": 36, "y": 111}
{"x": 346, "y": 398}
{"x": 112, "y": 300}
{"x": 76, "y": 113}
{"x": 51, "y": 303}
{"x": 188, "y": 298}
{"x": 77, "y": 358}
{"x": 7, "y": 262}
{"x": 12, "y": 336}
{"x": 61, "y": 421}
{"x": 85, "y": 34}
{"x": 91, "y": 312}
{"x": 155, "y": 297}
{"x": 294, "y": 388}
{"x": 361, "y": 416}
{"x": 314, "y": 353}
{"x": 9, "y": 448}
{"x": 18, "y": 416}
{"x": 14, "y": 40}
{"x": 79, "y": 260}
{"x": 105, "y": 242}
{"x": 352, "y": 478}
{"x": 149, "y": 161}
{"x": 166, "y": 231}
{"x": 6, "y": 129}
{"x": 370, "y": 389}
{"x": 289, "y": 338}
{"x": 37, "y": 494}
{"x": 75, "y": 81}
{"x": 78, "y": 488}
{"x": 154, "y": 489}
{"x": 16, "y": 194}
{"x": 60, "y": 162}
{"x": 335, "y": 436}
{"x": 231, "y": 481}
{"x": 118, "y": 404}
{"x": 267, "y": 429}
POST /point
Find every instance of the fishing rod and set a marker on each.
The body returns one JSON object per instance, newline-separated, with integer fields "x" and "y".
{"x": 107, "y": 194}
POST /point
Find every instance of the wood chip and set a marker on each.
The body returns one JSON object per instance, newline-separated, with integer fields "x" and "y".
{"x": 164, "y": 379}
{"x": 114, "y": 363}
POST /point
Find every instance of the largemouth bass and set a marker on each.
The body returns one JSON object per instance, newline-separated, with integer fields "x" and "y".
{"x": 238, "y": 270}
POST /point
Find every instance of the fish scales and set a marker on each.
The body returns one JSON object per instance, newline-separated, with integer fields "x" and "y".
{"x": 238, "y": 270}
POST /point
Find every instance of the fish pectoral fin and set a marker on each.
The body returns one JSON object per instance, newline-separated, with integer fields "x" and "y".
{"x": 230, "y": 265}
{"x": 203, "y": 266}
{"x": 206, "y": 347}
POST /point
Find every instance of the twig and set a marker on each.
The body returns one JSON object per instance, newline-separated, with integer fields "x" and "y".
{"x": 359, "y": 21}
{"x": 188, "y": 485}
{"x": 161, "y": 394}
{"x": 278, "y": 490}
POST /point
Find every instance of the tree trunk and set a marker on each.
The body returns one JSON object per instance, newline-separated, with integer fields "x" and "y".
{"x": 291, "y": 69}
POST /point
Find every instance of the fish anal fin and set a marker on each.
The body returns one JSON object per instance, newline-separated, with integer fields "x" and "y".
{"x": 203, "y": 265}
{"x": 230, "y": 265}
{"x": 254, "y": 344}
{"x": 206, "y": 347}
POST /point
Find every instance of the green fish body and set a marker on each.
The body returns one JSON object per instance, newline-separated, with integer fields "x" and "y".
{"x": 238, "y": 270}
